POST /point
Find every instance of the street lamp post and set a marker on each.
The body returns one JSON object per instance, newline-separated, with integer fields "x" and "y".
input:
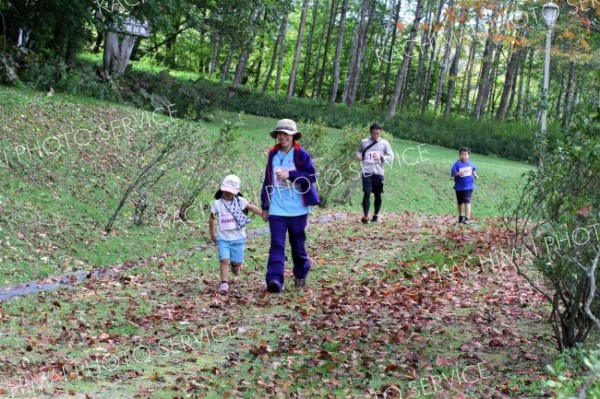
{"x": 550, "y": 12}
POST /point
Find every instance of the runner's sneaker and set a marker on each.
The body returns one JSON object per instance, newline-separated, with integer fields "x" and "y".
{"x": 223, "y": 287}
{"x": 374, "y": 220}
{"x": 364, "y": 220}
{"x": 467, "y": 221}
{"x": 235, "y": 269}
{"x": 461, "y": 219}
{"x": 300, "y": 283}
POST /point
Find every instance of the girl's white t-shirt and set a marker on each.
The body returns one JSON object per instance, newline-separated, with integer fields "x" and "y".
{"x": 226, "y": 225}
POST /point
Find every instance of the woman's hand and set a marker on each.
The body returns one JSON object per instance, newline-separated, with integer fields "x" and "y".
{"x": 283, "y": 174}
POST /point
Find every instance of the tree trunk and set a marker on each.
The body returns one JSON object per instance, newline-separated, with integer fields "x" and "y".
{"x": 452, "y": 74}
{"x": 367, "y": 8}
{"x": 402, "y": 72}
{"x": 116, "y": 55}
{"x": 445, "y": 58}
{"x": 490, "y": 93}
{"x": 338, "y": 52}
{"x": 432, "y": 58}
{"x": 509, "y": 83}
{"x": 381, "y": 44}
{"x": 569, "y": 95}
{"x": 272, "y": 63}
{"x": 519, "y": 91}
{"x": 390, "y": 57}
{"x": 260, "y": 61}
{"x": 425, "y": 44}
{"x": 309, "y": 43}
{"x": 282, "y": 31}
{"x": 526, "y": 108}
{"x": 367, "y": 69}
{"x": 246, "y": 47}
{"x": 298, "y": 51}
{"x": 330, "y": 27}
{"x": 484, "y": 76}
{"x": 226, "y": 64}
{"x": 468, "y": 72}
{"x": 214, "y": 56}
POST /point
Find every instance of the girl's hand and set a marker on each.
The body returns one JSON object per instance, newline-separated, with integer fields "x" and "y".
{"x": 213, "y": 238}
{"x": 265, "y": 215}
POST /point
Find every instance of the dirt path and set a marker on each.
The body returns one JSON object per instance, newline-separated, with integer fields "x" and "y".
{"x": 380, "y": 314}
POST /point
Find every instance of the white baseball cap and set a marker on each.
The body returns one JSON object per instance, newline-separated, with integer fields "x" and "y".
{"x": 231, "y": 184}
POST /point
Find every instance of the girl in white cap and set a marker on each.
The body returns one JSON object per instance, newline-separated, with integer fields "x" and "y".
{"x": 230, "y": 237}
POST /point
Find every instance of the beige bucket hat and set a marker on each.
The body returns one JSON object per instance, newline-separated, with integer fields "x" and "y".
{"x": 287, "y": 126}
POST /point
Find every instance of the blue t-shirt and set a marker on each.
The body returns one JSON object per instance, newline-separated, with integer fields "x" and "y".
{"x": 466, "y": 182}
{"x": 286, "y": 198}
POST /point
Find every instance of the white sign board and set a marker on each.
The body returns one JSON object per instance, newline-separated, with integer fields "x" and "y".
{"x": 132, "y": 26}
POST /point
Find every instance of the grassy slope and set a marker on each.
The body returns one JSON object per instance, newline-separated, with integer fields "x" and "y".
{"x": 52, "y": 211}
{"x": 54, "y": 207}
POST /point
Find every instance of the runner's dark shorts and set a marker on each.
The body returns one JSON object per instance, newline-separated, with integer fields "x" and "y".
{"x": 464, "y": 197}
{"x": 372, "y": 184}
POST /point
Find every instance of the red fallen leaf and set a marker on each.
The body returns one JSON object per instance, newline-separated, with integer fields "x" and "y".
{"x": 496, "y": 342}
{"x": 325, "y": 356}
{"x": 392, "y": 367}
{"x": 444, "y": 361}
{"x": 531, "y": 356}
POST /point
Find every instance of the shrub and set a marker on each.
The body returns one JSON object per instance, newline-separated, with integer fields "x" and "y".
{"x": 576, "y": 371}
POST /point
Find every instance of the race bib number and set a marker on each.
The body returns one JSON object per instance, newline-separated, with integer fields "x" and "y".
{"x": 227, "y": 222}
{"x": 466, "y": 171}
{"x": 370, "y": 158}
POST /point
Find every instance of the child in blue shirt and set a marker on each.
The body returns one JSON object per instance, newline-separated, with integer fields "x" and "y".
{"x": 464, "y": 173}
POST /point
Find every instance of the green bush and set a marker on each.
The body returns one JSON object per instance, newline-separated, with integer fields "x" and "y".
{"x": 575, "y": 371}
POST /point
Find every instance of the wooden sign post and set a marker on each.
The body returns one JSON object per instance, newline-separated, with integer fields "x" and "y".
{"x": 116, "y": 54}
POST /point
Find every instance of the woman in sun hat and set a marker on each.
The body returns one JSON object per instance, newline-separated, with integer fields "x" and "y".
{"x": 230, "y": 237}
{"x": 287, "y": 193}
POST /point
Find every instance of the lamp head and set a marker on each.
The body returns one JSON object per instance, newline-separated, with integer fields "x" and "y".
{"x": 550, "y": 12}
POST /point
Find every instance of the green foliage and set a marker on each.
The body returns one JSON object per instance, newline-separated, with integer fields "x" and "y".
{"x": 510, "y": 140}
{"x": 337, "y": 169}
{"x": 563, "y": 200}
{"x": 576, "y": 370}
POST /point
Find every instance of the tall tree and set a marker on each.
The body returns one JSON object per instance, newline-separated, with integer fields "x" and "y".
{"x": 358, "y": 50}
{"x": 298, "y": 50}
{"x": 392, "y": 50}
{"x": 432, "y": 56}
{"x": 309, "y": 49}
{"x": 569, "y": 94}
{"x": 282, "y": 31}
{"x": 402, "y": 72}
{"x": 338, "y": 52}
{"x": 446, "y": 57}
{"x": 246, "y": 44}
{"x": 330, "y": 27}
{"x": 453, "y": 73}
{"x": 484, "y": 74}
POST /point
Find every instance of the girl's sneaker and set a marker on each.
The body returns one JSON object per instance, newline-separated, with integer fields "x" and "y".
{"x": 223, "y": 287}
